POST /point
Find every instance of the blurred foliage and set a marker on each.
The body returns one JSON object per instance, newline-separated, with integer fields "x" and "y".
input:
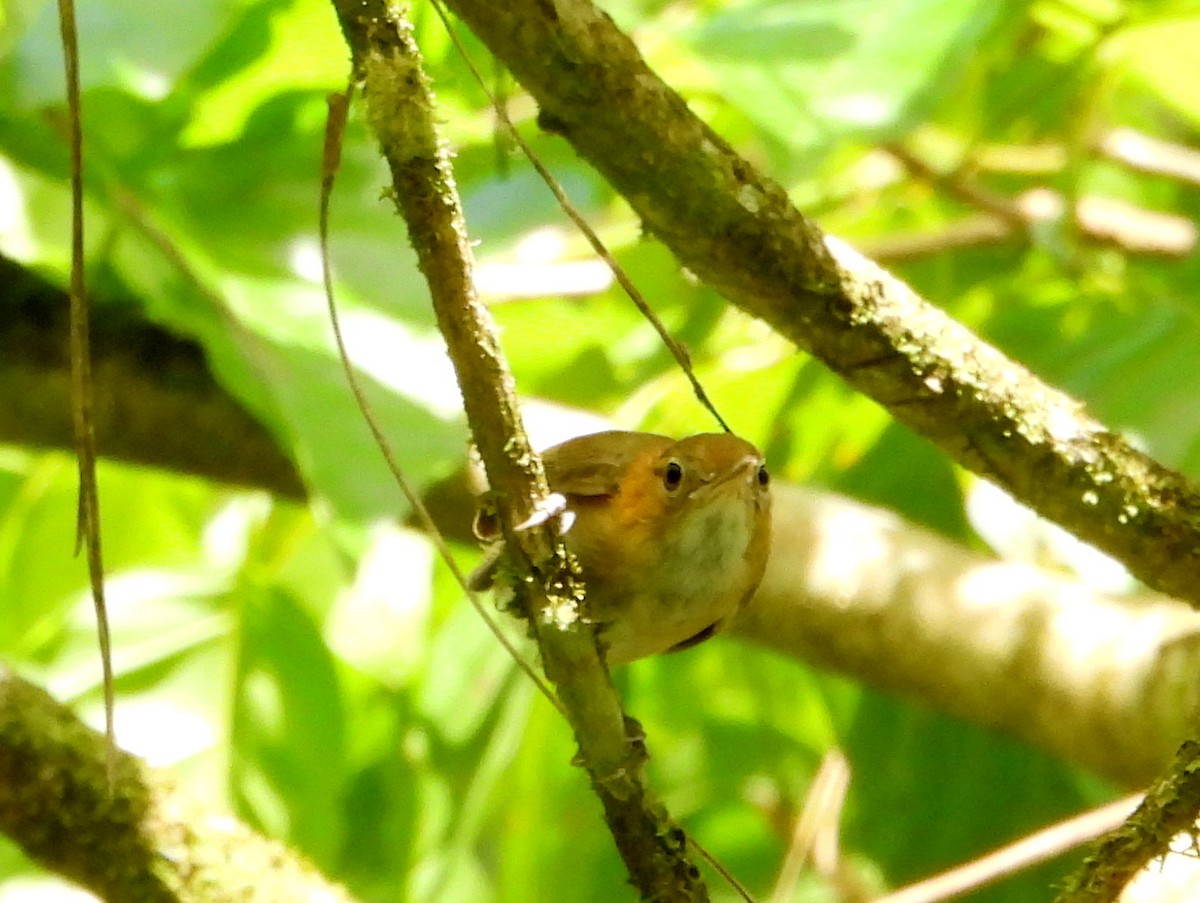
{"x": 314, "y": 669}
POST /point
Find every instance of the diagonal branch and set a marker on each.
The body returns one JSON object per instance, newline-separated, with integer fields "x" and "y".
{"x": 141, "y": 841}
{"x": 738, "y": 231}
{"x": 157, "y": 400}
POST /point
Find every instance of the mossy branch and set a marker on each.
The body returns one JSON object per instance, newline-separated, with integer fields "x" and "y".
{"x": 400, "y": 108}
{"x": 142, "y": 840}
{"x": 737, "y": 230}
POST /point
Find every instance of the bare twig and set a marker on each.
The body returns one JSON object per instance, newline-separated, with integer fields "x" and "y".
{"x": 1135, "y": 230}
{"x": 815, "y": 833}
{"x": 88, "y": 524}
{"x": 719, "y": 867}
{"x": 631, "y": 290}
{"x": 1022, "y": 854}
{"x": 980, "y": 230}
{"x": 964, "y": 189}
{"x": 334, "y": 129}
{"x": 1152, "y": 155}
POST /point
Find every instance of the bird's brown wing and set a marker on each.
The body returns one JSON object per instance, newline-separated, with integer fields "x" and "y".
{"x": 587, "y": 467}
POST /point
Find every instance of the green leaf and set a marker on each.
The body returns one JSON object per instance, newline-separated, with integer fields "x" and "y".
{"x": 1161, "y": 55}
{"x": 146, "y": 47}
{"x": 827, "y": 70}
{"x": 288, "y": 725}
{"x": 941, "y": 774}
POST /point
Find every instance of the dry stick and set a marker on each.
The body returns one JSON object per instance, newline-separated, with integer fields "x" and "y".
{"x": 635, "y": 295}
{"x": 822, "y": 811}
{"x": 400, "y": 111}
{"x": 1146, "y": 154}
{"x": 335, "y": 126}
{"x": 975, "y": 231}
{"x": 964, "y": 190}
{"x": 1024, "y": 853}
{"x": 88, "y": 523}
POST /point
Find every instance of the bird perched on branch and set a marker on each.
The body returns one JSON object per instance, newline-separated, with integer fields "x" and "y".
{"x": 671, "y": 535}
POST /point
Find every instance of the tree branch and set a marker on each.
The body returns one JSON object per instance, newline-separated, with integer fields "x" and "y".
{"x": 157, "y": 402}
{"x": 1103, "y": 681}
{"x": 143, "y": 842}
{"x": 1135, "y": 230}
{"x": 400, "y": 108}
{"x": 898, "y": 617}
{"x": 738, "y": 231}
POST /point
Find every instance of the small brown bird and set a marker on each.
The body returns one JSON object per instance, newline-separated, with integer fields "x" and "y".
{"x": 672, "y": 536}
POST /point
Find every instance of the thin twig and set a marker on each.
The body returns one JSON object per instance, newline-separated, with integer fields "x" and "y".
{"x": 1133, "y": 229}
{"x": 330, "y": 161}
{"x": 965, "y": 190}
{"x": 820, "y": 817}
{"x": 1152, "y": 155}
{"x": 88, "y": 522}
{"x": 719, "y": 867}
{"x": 1022, "y": 854}
{"x": 635, "y": 295}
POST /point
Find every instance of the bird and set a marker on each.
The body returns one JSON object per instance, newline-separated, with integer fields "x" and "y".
{"x": 671, "y": 536}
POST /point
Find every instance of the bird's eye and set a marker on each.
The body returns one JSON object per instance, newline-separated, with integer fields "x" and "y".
{"x": 673, "y": 475}
{"x": 764, "y": 478}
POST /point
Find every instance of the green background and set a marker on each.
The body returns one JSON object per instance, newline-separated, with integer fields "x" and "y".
{"x": 313, "y": 669}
